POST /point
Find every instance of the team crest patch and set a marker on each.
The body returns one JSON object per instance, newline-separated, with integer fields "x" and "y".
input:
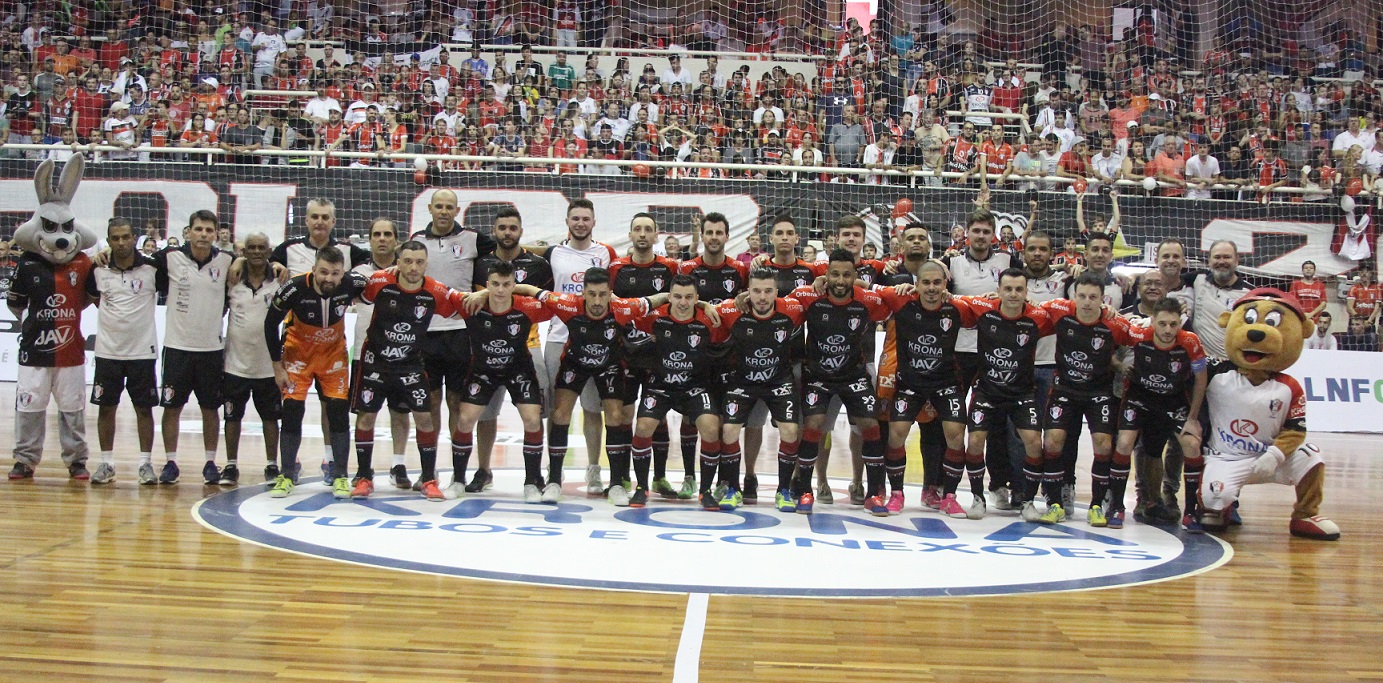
{"x": 1130, "y": 414}
{"x": 854, "y": 324}
{"x": 340, "y": 310}
{"x": 513, "y": 329}
{"x": 72, "y": 278}
{"x": 97, "y": 391}
{"x": 520, "y": 274}
{"x": 1097, "y": 342}
{"x": 214, "y": 272}
{"x": 648, "y": 402}
{"x": 366, "y": 395}
{"x": 167, "y": 393}
{"x": 732, "y": 409}
{"x": 693, "y": 340}
{"x": 1056, "y": 412}
{"x": 658, "y": 283}
{"x": 420, "y": 311}
{"x": 1023, "y": 338}
{"x": 730, "y": 286}
{"x": 610, "y": 333}
{"x": 835, "y": 552}
{"x": 25, "y": 399}
{"x": 1275, "y": 407}
{"x": 780, "y": 335}
{"x": 568, "y": 376}
{"x": 945, "y": 324}
{"x": 136, "y": 286}
{"x": 473, "y": 389}
{"x": 1175, "y": 366}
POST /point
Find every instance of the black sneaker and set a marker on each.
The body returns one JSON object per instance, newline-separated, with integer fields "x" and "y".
{"x": 21, "y": 471}
{"x": 399, "y": 475}
{"x": 750, "y": 494}
{"x": 211, "y": 475}
{"x": 79, "y": 472}
{"x": 271, "y": 472}
{"x": 230, "y": 475}
{"x": 639, "y": 499}
{"x": 296, "y": 474}
{"x": 480, "y": 481}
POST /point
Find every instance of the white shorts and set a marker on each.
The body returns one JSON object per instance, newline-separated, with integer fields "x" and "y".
{"x": 552, "y": 360}
{"x": 66, "y": 386}
{"x": 496, "y": 404}
{"x": 1223, "y": 478}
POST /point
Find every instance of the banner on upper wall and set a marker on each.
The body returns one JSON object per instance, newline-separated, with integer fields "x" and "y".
{"x": 1344, "y": 390}
{"x": 1273, "y": 239}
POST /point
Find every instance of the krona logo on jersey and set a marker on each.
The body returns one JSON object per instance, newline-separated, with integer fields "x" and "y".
{"x": 580, "y": 542}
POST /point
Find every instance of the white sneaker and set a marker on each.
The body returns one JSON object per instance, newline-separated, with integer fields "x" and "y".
{"x": 594, "y": 487}
{"x": 618, "y": 496}
{"x": 532, "y": 494}
{"x": 104, "y": 474}
{"x": 456, "y": 491}
{"x": 147, "y": 477}
{"x": 1001, "y": 498}
{"x": 552, "y": 493}
{"x": 977, "y": 508}
{"x": 1030, "y": 513}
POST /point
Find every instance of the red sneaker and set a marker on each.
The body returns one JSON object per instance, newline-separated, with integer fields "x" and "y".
{"x": 931, "y": 498}
{"x": 875, "y": 505}
{"x": 362, "y": 488}
{"x": 431, "y": 492}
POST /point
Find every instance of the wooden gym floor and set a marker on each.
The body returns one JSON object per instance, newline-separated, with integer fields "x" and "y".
{"x": 120, "y": 583}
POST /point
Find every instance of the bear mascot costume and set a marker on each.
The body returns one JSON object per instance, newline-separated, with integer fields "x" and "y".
{"x": 1258, "y": 416}
{"x": 47, "y": 295}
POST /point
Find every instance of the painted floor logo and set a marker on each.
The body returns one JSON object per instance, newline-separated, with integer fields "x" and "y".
{"x": 674, "y": 546}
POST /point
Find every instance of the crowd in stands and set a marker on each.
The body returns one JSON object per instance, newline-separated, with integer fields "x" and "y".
{"x": 1256, "y": 112}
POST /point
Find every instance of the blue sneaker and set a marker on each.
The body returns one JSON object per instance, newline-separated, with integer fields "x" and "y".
{"x": 1232, "y": 517}
{"x": 784, "y": 501}
{"x": 732, "y": 499}
{"x": 295, "y": 474}
{"x": 327, "y": 475}
{"x": 1192, "y": 524}
{"x": 211, "y": 474}
{"x": 805, "y": 502}
{"x": 170, "y": 473}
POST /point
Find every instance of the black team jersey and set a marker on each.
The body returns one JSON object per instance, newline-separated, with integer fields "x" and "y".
{"x": 1085, "y": 353}
{"x": 529, "y": 269}
{"x": 629, "y": 280}
{"x": 594, "y": 344}
{"x": 499, "y": 341}
{"x": 682, "y": 349}
{"x": 836, "y": 331}
{"x": 925, "y": 341}
{"x": 758, "y": 343}
{"x": 54, "y": 294}
{"x": 400, "y": 320}
{"x": 1165, "y": 373}
{"x": 717, "y": 283}
{"x": 799, "y": 274}
{"x": 1007, "y": 347}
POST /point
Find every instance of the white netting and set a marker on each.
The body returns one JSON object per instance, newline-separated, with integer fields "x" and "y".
{"x": 1038, "y": 77}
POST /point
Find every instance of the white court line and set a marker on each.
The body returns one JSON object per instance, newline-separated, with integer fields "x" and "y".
{"x": 687, "y": 668}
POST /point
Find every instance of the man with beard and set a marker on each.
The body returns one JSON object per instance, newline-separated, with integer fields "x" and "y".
{"x": 1214, "y": 293}
{"x": 760, "y": 326}
{"x": 640, "y": 274}
{"x": 313, "y": 350}
{"x": 570, "y": 260}
{"x": 835, "y": 367}
{"x": 529, "y": 269}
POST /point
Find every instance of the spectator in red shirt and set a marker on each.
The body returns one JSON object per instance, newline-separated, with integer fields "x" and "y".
{"x": 1308, "y": 290}
{"x": 1075, "y": 163}
{"x": 1364, "y": 298}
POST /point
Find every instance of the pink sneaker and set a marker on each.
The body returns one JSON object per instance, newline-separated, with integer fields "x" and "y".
{"x": 895, "y": 503}
{"x": 951, "y": 507}
{"x": 931, "y": 498}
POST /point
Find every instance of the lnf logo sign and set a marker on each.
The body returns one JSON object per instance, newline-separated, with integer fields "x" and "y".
{"x": 676, "y": 547}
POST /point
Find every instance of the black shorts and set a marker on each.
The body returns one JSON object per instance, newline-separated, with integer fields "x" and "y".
{"x": 1065, "y": 409}
{"x": 634, "y": 378}
{"x": 447, "y": 358}
{"x": 856, "y": 394}
{"x": 1142, "y": 411}
{"x": 689, "y": 402}
{"x": 239, "y": 390}
{"x": 946, "y": 401}
{"x": 522, "y": 385}
{"x": 780, "y": 399}
{"x": 989, "y": 413}
{"x": 406, "y": 392}
{"x": 115, "y": 376}
{"x": 609, "y": 381}
{"x": 397, "y": 404}
{"x": 192, "y": 372}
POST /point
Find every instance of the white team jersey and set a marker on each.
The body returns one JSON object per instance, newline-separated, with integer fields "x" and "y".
{"x": 1187, "y": 296}
{"x": 1245, "y": 419}
{"x": 247, "y": 353}
{"x": 298, "y": 255}
{"x": 1210, "y": 301}
{"x": 1042, "y": 290}
{"x": 363, "y": 312}
{"x": 128, "y": 298}
{"x": 973, "y": 278}
{"x": 977, "y": 98}
{"x": 196, "y": 298}
{"x": 451, "y": 261}
{"x": 569, "y": 266}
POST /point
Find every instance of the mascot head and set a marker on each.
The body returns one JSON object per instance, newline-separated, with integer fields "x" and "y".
{"x": 54, "y": 232}
{"x": 1264, "y": 331}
